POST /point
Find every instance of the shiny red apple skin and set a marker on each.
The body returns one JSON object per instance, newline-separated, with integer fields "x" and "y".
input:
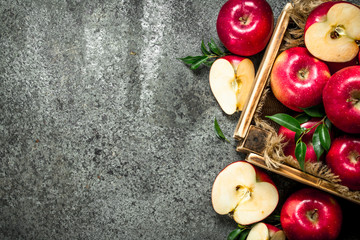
{"x": 310, "y": 214}
{"x": 341, "y": 98}
{"x": 289, "y": 148}
{"x": 343, "y": 159}
{"x": 298, "y": 78}
{"x": 250, "y": 36}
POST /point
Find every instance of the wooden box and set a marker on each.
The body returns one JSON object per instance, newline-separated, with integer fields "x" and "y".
{"x": 254, "y": 137}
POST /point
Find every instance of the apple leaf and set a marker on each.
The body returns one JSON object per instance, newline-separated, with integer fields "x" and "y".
{"x": 208, "y": 57}
{"x": 203, "y": 49}
{"x": 214, "y": 48}
{"x": 218, "y": 131}
{"x": 300, "y": 152}
{"x": 244, "y": 234}
{"x": 197, "y": 64}
{"x": 324, "y": 135}
{"x": 315, "y": 111}
{"x": 319, "y": 150}
{"x": 234, "y": 234}
{"x": 287, "y": 121}
{"x": 302, "y": 118}
{"x": 328, "y": 123}
{"x": 191, "y": 59}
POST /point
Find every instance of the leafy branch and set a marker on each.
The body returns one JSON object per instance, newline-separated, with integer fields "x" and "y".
{"x": 321, "y": 139}
{"x": 210, "y": 54}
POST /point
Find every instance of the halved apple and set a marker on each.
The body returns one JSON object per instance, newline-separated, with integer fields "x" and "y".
{"x": 263, "y": 231}
{"x": 245, "y": 192}
{"x": 334, "y": 36}
{"x": 231, "y": 79}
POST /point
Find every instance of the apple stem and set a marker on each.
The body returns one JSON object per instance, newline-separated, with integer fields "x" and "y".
{"x": 303, "y": 73}
{"x": 354, "y": 101}
{"x": 314, "y": 215}
{"x": 244, "y": 19}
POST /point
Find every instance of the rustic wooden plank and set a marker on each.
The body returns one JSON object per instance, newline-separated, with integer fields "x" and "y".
{"x": 263, "y": 73}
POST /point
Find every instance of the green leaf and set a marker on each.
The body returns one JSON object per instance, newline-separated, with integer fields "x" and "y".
{"x": 191, "y": 59}
{"x": 297, "y": 136}
{"x": 319, "y": 150}
{"x": 234, "y": 234}
{"x": 203, "y": 49}
{"x": 209, "y": 62}
{"x": 244, "y": 234}
{"x": 218, "y": 131}
{"x": 328, "y": 123}
{"x": 302, "y": 118}
{"x": 315, "y": 111}
{"x": 287, "y": 121}
{"x": 325, "y": 139}
{"x": 197, "y": 64}
{"x": 300, "y": 151}
{"x": 214, "y": 48}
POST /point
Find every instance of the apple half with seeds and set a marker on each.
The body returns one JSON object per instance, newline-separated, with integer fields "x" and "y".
{"x": 231, "y": 78}
{"x": 332, "y": 32}
{"x": 245, "y": 192}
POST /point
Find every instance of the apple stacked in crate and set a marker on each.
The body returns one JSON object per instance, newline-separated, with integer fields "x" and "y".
{"x": 322, "y": 79}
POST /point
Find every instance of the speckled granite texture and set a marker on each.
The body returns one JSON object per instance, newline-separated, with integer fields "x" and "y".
{"x": 104, "y": 133}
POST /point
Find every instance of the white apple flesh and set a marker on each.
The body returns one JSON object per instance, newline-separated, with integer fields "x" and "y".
{"x": 245, "y": 192}
{"x": 336, "y": 36}
{"x": 231, "y": 78}
{"x": 259, "y": 232}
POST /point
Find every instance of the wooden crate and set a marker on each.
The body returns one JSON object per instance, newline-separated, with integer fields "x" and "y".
{"x": 253, "y": 139}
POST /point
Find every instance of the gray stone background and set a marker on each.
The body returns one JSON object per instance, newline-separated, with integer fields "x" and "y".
{"x": 104, "y": 133}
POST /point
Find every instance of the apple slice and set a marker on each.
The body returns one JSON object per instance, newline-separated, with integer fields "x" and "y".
{"x": 245, "y": 192}
{"x": 258, "y": 232}
{"x": 231, "y": 79}
{"x": 335, "y": 36}
{"x": 263, "y": 231}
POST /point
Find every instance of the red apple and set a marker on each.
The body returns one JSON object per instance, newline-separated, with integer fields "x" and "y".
{"x": 332, "y": 31}
{"x": 231, "y": 78}
{"x": 289, "y": 149}
{"x": 297, "y": 78}
{"x": 264, "y": 231}
{"x": 341, "y": 98}
{"x": 343, "y": 159}
{"x": 245, "y": 26}
{"x": 244, "y": 191}
{"x": 310, "y": 214}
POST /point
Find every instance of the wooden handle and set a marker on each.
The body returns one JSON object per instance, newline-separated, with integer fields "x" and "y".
{"x": 263, "y": 73}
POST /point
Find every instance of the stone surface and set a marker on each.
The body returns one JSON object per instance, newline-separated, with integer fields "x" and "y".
{"x": 105, "y": 134}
